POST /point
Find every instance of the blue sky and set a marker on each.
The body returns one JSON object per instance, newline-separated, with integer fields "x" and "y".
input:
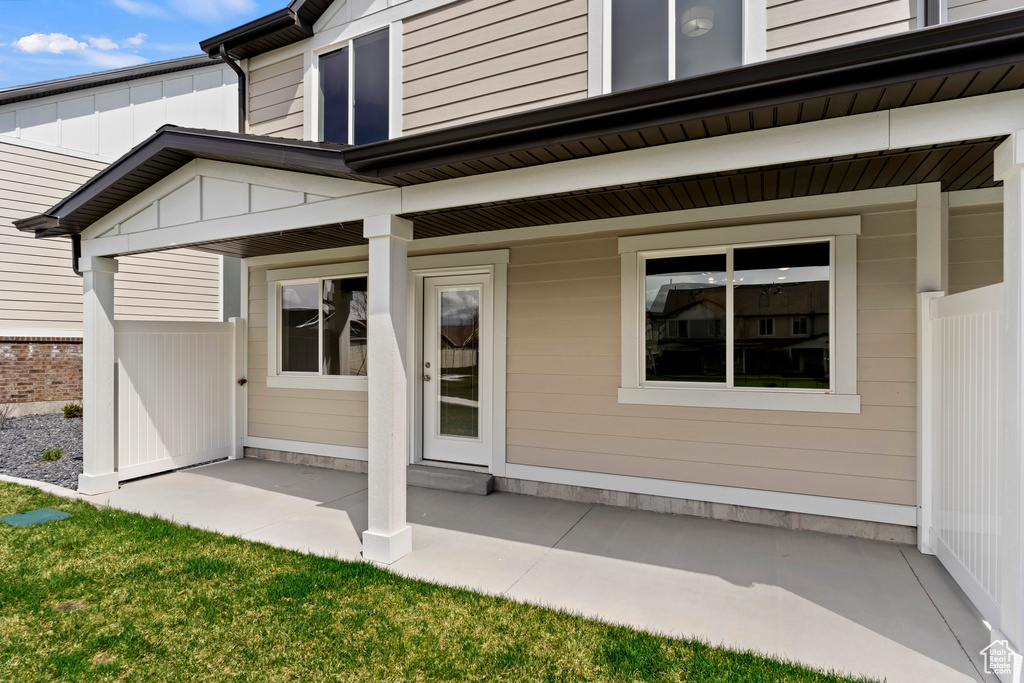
{"x": 45, "y": 39}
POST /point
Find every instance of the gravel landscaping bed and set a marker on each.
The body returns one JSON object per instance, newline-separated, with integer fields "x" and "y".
{"x": 24, "y": 439}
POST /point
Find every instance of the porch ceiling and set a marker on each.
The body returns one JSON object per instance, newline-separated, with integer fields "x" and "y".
{"x": 961, "y": 166}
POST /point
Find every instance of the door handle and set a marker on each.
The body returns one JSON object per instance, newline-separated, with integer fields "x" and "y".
{"x": 426, "y": 378}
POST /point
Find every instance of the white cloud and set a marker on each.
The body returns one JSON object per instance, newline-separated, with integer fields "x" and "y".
{"x": 102, "y": 43}
{"x": 140, "y": 8}
{"x": 54, "y": 43}
{"x": 135, "y": 41}
{"x": 112, "y": 60}
{"x": 210, "y": 10}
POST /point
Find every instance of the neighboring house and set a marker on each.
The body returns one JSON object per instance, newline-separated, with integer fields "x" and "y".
{"x": 55, "y": 136}
{"x": 552, "y": 168}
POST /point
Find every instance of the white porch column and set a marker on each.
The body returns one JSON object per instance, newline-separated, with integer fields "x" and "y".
{"x": 98, "y": 358}
{"x": 1009, "y": 167}
{"x": 388, "y": 537}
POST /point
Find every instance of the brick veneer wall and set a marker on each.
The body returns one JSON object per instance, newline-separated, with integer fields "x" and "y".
{"x": 40, "y": 369}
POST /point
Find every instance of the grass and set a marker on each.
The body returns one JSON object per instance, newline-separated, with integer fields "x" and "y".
{"x": 115, "y": 596}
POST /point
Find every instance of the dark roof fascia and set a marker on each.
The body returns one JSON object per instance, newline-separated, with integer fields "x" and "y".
{"x": 285, "y": 26}
{"x": 934, "y": 51}
{"x": 63, "y": 85}
{"x": 311, "y": 157}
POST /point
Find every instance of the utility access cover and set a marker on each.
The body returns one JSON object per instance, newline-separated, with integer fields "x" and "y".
{"x": 40, "y": 516}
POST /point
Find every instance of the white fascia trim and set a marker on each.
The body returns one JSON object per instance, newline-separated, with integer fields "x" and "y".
{"x": 868, "y": 511}
{"x": 307, "y": 448}
{"x": 715, "y": 237}
{"x": 37, "y": 332}
{"x": 741, "y": 399}
{"x": 351, "y": 269}
{"x": 985, "y": 196}
{"x": 460, "y": 260}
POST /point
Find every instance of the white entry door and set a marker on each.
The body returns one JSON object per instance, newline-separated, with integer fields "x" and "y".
{"x": 457, "y": 369}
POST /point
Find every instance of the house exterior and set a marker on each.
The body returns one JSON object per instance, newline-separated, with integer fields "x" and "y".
{"x": 55, "y": 136}
{"x": 763, "y": 264}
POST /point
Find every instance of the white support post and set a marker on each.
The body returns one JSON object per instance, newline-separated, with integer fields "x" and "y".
{"x": 1009, "y": 168}
{"x": 239, "y": 388}
{"x": 99, "y": 458}
{"x": 932, "y": 259}
{"x": 388, "y": 536}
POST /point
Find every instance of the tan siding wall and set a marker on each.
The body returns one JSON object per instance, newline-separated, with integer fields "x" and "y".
{"x": 968, "y": 9}
{"x": 38, "y": 290}
{"x": 563, "y": 373}
{"x": 327, "y": 417}
{"x": 275, "y": 99}
{"x": 797, "y": 26}
{"x": 483, "y": 58}
{"x": 975, "y": 248}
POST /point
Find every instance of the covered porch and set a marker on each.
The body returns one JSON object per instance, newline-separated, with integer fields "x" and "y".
{"x": 851, "y": 605}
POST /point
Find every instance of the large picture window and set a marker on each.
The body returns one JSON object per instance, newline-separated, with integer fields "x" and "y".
{"x": 354, "y": 101}
{"x": 740, "y": 304}
{"x": 745, "y": 324}
{"x": 653, "y": 41}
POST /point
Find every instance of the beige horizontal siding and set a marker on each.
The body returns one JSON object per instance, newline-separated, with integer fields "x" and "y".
{"x": 478, "y": 59}
{"x": 276, "y": 99}
{"x": 799, "y": 26}
{"x": 975, "y": 248}
{"x": 38, "y": 289}
{"x": 969, "y": 9}
{"x": 313, "y": 416}
{"x": 563, "y": 376}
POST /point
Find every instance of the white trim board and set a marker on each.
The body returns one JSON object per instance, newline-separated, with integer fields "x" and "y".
{"x": 35, "y": 332}
{"x": 868, "y": 511}
{"x": 307, "y": 448}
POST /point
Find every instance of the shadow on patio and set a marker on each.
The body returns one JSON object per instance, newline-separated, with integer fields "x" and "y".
{"x": 862, "y": 607}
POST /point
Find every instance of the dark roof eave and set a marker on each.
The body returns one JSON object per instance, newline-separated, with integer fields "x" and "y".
{"x": 285, "y": 24}
{"x": 940, "y": 50}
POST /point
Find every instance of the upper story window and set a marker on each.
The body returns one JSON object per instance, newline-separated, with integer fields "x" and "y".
{"x": 653, "y": 41}
{"x": 354, "y": 101}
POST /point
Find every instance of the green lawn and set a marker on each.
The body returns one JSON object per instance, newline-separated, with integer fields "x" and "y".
{"x": 114, "y": 596}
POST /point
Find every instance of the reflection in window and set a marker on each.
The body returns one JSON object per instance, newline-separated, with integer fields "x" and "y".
{"x": 300, "y": 323}
{"x": 686, "y": 318}
{"x": 779, "y": 290}
{"x": 459, "y": 395}
{"x": 363, "y": 99}
{"x": 344, "y": 323}
{"x": 707, "y": 36}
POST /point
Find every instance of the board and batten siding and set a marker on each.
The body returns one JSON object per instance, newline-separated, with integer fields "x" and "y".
{"x": 276, "y": 100}
{"x": 564, "y": 371}
{"x": 975, "y": 247}
{"x": 38, "y": 289}
{"x": 798, "y": 26}
{"x": 337, "y": 418}
{"x": 479, "y": 59}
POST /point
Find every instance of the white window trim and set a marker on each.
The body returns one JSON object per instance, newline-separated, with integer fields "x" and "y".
{"x": 275, "y": 278}
{"x": 599, "y": 41}
{"x": 394, "y": 80}
{"x": 841, "y": 398}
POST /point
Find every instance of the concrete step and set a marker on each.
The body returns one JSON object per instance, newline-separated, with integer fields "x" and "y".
{"x": 442, "y": 479}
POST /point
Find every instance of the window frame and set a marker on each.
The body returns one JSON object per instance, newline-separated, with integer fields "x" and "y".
{"x": 842, "y": 395}
{"x": 276, "y": 279}
{"x": 315, "y": 121}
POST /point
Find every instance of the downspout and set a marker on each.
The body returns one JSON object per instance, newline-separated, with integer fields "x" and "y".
{"x": 76, "y": 253}
{"x": 241, "y": 85}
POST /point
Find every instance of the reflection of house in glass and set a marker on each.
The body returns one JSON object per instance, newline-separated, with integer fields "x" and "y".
{"x": 459, "y": 345}
{"x": 686, "y": 333}
{"x": 781, "y": 335}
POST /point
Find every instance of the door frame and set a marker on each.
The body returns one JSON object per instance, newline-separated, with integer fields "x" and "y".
{"x": 494, "y": 264}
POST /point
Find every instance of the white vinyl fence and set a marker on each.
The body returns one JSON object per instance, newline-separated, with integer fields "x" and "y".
{"x": 962, "y": 353}
{"x": 178, "y": 397}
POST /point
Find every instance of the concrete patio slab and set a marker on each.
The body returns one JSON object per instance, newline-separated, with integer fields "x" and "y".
{"x": 834, "y": 603}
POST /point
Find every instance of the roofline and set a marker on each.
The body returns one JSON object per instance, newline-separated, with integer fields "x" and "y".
{"x": 254, "y": 30}
{"x": 33, "y": 91}
{"x": 312, "y": 156}
{"x": 927, "y": 52}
